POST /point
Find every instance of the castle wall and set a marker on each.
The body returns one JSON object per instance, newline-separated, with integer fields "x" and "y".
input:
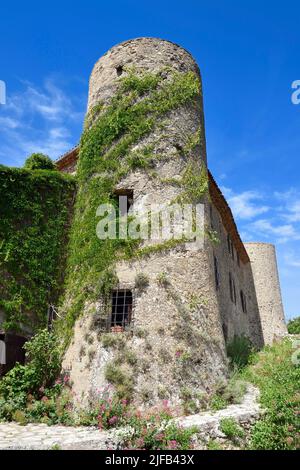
{"x": 268, "y": 293}
{"x": 235, "y": 319}
{"x": 182, "y": 345}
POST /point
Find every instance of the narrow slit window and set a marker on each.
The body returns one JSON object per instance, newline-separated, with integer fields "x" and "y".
{"x": 121, "y": 313}
{"x": 232, "y": 289}
{"x": 243, "y": 302}
{"x": 217, "y": 274}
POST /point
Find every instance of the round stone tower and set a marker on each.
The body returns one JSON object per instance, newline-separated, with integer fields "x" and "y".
{"x": 266, "y": 279}
{"x": 158, "y": 335}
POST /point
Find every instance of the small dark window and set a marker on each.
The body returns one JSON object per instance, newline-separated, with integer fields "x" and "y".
{"x": 119, "y": 70}
{"x": 211, "y": 217}
{"x": 238, "y": 258}
{"x": 230, "y": 246}
{"x": 225, "y": 331}
{"x": 121, "y": 309}
{"x": 243, "y": 302}
{"x": 217, "y": 274}
{"x": 232, "y": 289}
{"x": 122, "y": 203}
{"x": 229, "y": 243}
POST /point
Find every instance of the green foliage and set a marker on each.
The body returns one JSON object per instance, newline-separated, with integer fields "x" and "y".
{"x": 34, "y": 214}
{"x": 105, "y": 157}
{"x": 213, "y": 445}
{"x": 230, "y": 428}
{"x": 28, "y": 393}
{"x": 121, "y": 380}
{"x": 162, "y": 279}
{"x": 141, "y": 281}
{"x": 39, "y": 161}
{"x": 278, "y": 378}
{"x": 239, "y": 350}
{"x": 43, "y": 366}
{"x": 293, "y": 326}
{"x": 155, "y": 431}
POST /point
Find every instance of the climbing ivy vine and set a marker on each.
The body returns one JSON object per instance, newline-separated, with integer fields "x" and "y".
{"x": 34, "y": 214}
{"x": 140, "y": 105}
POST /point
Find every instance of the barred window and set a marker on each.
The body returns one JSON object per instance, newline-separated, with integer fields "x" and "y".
{"x": 121, "y": 309}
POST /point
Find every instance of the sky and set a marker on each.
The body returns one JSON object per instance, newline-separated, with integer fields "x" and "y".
{"x": 249, "y": 56}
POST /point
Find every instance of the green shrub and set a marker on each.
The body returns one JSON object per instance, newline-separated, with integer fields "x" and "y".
{"x": 141, "y": 281}
{"x": 293, "y": 326}
{"x": 239, "y": 350}
{"x": 39, "y": 161}
{"x": 120, "y": 379}
{"x": 231, "y": 428}
{"x": 278, "y": 378}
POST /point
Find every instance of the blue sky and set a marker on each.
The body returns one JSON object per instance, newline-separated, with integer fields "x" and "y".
{"x": 249, "y": 55}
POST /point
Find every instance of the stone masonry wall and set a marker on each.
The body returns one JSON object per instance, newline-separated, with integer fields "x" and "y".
{"x": 267, "y": 285}
{"x": 235, "y": 321}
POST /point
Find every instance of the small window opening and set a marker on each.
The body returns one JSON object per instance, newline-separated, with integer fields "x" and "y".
{"x": 232, "y": 289}
{"x": 230, "y": 246}
{"x": 121, "y": 309}
{"x": 211, "y": 217}
{"x": 238, "y": 259}
{"x": 124, "y": 199}
{"x": 243, "y": 302}
{"x": 217, "y": 274}
{"x": 119, "y": 70}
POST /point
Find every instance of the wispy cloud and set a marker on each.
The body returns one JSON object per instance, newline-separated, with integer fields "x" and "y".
{"x": 245, "y": 205}
{"x": 38, "y": 119}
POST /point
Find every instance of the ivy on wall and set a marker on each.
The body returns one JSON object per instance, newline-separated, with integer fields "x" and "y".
{"x": 34, "y": 215}
{"x": 140, "y": 105}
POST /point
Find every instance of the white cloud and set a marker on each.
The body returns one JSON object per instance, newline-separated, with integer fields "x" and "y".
{"x": 281, "y": 233}
{"x": 244, "y": 205}
{"x": 289, "y": 204}
{"x": 38, "y": 120}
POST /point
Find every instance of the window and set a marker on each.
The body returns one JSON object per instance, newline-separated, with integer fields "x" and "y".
{"x": 217, "y": 274}
{"x": 232, "y": 289}
{"x": 243, "y": 302}
{"x": 124, "y": 200}
{"x": 211, "y": 217}
{"x": 238, "y": 258}
{"x": 230, "y": 246}
{"x": 121, "y": 308}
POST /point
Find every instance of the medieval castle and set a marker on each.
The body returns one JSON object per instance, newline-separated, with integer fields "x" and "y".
{"x": 163, "y": 323}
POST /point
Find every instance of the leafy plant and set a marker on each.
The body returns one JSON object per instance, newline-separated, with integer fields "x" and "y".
{"x": 239, "y": 350}
{"x": 39, "y": 161}
{"x": 293, "y": 326}
{"x": 141, "y": 281}
{"x": 230, "y": 428}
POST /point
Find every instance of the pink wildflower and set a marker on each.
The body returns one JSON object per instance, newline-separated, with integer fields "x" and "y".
{"x": 113, "y": 420}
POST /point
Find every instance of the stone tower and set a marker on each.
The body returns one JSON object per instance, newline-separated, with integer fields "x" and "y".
{"x": 163, "y": 333}
{"x": 268, "y": 293}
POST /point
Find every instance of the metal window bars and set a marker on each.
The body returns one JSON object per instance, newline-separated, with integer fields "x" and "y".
{"x": 121, "y": 312}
